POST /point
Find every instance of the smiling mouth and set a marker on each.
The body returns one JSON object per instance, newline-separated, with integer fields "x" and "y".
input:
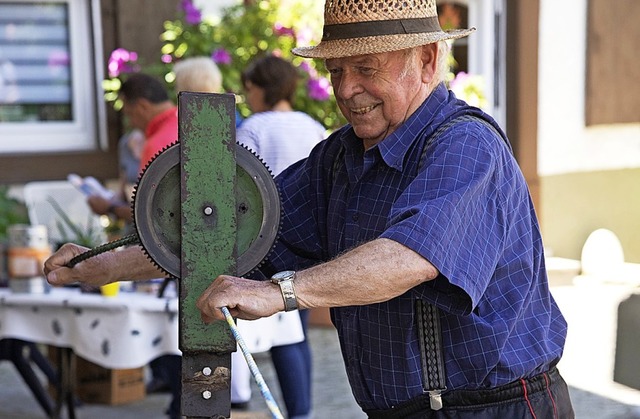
{"x": 362, "y": 111}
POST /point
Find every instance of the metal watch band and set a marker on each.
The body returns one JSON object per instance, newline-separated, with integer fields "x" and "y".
{"x": 285, "y": 281}
{"x": 288, "y": 295}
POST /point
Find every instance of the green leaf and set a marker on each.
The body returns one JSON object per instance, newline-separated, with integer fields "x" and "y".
{"x": 88, "y": 237}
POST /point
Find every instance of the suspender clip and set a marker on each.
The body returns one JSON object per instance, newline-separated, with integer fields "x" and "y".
{"x": 435, "y": 399}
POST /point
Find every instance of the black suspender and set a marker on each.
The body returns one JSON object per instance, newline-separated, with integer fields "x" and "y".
{"x": 434, "y": 379}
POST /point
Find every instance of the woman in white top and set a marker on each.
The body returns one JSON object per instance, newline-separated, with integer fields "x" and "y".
{"x": 275, "y": 131}
{"x": 280, "y": 136}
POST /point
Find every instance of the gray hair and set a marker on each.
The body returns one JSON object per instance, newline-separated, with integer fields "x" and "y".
{"x": 197, "y": 74}
{"x": 442, "y": 66}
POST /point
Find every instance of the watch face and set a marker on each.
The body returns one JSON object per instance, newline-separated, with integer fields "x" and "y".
{"x": 283, "y": 276}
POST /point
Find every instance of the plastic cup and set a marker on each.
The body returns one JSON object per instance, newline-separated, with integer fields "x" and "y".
{"x": 110, "y": 290}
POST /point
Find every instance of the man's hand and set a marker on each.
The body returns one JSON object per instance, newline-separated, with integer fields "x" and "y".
{"x": 99, "y": 205}
{"x": 246, "y": 299}
{"x": 92, "y": 271}
{"x": 129, "y": 264}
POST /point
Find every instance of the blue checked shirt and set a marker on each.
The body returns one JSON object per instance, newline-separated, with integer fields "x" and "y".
{"x": 465, "y": 208}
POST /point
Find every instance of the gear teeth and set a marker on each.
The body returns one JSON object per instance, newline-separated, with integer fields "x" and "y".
{"x": 168, "y": 274}
{"x": 149, "y": 172}
{"x": 270, "y": 251}
{"x": 133, "y": 207}
{"x": 146, "y": 166}
{"x": 257, "y": 156}
{"x": 135, "y": 192}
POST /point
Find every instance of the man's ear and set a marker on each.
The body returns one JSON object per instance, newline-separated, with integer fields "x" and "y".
{"x": 144, "y": 104}
{"x": 429, "y": 59}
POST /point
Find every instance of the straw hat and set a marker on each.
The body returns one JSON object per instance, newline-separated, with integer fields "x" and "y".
{"x": 357, "y": 27}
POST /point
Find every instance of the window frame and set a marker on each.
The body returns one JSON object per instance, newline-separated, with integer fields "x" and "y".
{"x": 486, "y": 50}
{"x": 86, "y": 131}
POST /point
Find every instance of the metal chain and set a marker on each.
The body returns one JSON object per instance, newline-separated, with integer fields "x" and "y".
{"x": 126, "y": 240}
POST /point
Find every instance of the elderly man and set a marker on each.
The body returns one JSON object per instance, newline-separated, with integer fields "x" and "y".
{"x": 415, "y": 225}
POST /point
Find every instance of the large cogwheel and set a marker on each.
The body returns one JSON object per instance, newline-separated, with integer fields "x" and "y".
{"x": 156, "y": 210}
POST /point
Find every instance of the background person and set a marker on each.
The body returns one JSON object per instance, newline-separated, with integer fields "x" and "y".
{"x": 279, "y": 134}
{"x": 129, "y": 151}
{"x": 199, "y": 74}
{"x": 147, "y": 107}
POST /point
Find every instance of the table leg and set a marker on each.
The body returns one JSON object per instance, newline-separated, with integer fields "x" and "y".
{"x": 22, "y": 363}
{"x": 67, "y": 375}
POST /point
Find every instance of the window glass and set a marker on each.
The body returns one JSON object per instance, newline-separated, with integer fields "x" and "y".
{"x": 35, "y": 82}
{"x": 50, "y": 77}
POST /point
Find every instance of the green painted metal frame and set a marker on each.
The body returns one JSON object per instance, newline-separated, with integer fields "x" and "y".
{"x": 209, "y": 246}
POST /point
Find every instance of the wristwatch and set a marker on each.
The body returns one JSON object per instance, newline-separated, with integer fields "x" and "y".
{"x": 285, "y": 280}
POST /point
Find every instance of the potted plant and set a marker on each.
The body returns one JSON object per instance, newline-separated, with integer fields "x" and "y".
{"x": 71, "y": 231}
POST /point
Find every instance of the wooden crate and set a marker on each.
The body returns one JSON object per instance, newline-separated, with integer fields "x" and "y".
{"x": 98, "y": 385}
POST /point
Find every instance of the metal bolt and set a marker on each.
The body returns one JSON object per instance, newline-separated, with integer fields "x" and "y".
{"x": 206, "y": 371}
{"x": 208, "y": 210}
{"x": 206, "y": 394}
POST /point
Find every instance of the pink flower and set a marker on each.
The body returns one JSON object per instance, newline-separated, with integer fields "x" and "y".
{"x": 460, "y": 80}
{"x": 280, "y": 30}
{"x": 307, "y": 68}
{"x": 166, "y": 58}
{"x": 122, "y": 61}
{"x": 192, "y": 15}
{"x": 319, "y": 88}
{"x": 221, "y": 56}
{"x": 304, "y": 36}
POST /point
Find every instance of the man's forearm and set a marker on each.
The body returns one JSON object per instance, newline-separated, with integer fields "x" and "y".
{"x": 128, "y": 264}
{"x": 133, "y": 264}
{"x": 373, "y": 272}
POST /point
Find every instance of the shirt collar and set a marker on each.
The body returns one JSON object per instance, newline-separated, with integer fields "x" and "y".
{"x": 394, "y": 148}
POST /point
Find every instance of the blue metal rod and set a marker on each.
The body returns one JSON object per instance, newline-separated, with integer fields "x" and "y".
{"x": 262, "y": 385}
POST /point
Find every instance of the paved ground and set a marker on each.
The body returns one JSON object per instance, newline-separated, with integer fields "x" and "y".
{"x": 587, "y": 366}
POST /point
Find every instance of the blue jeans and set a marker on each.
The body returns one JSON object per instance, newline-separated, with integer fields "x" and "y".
{"x": 293, "y": 368}
{"x": 168, "y": 368}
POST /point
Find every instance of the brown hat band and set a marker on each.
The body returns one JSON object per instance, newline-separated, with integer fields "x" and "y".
{"x": 381, "y": 27}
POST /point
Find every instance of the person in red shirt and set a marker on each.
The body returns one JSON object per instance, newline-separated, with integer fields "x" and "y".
{"x": 148, "y": 107}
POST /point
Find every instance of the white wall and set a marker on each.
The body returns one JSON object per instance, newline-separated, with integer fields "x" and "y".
{"x": 214, "y": 7}
{"x": 565, "y": 145}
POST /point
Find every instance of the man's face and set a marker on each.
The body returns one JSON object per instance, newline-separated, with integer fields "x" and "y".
{"x": 132, "y": 110}
{"x": 255, "y": 97}
{"x": 378, "y": 92}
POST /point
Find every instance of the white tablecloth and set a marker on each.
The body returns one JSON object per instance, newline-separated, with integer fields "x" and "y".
{"x": 260, "y": 335}
{"x": 125, "y": 331}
